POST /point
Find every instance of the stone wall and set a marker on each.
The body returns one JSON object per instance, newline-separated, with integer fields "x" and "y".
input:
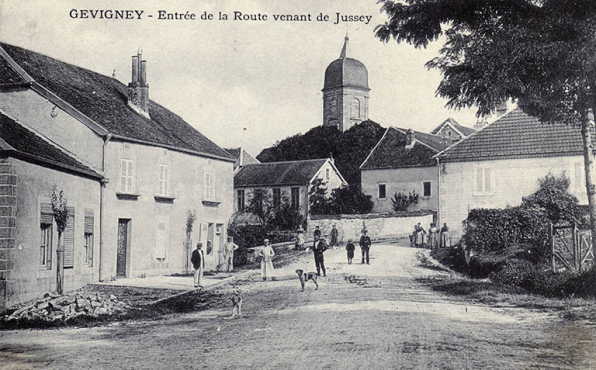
{"x": 379, "y": 225}
{"x": 8, "y": 202}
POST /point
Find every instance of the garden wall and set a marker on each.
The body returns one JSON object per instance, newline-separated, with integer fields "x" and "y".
{"x": 378, "y": 225}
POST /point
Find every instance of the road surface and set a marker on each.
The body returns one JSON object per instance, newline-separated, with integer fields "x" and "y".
{"x": 373, "y": 316}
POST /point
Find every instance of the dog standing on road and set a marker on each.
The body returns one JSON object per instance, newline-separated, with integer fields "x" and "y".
{"x": 236, "y": 304}
{"x": 306, "y": 276}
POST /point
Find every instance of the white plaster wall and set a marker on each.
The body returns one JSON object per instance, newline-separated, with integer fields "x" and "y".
{"x": 33, "y": 110}
{"x": 402, "y": 180}
{"x": 513, "y": 179}
{"x": 187, "y": 187}
{"x": 34, "y": 186}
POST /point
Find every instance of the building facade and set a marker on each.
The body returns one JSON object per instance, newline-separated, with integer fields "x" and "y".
{"x": 502, "y": 163}
{"x": 290, "y": 181}
{"x": 402, "y": 162}
{"x": 156, "y": 167}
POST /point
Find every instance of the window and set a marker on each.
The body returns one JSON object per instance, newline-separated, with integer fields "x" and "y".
{"x": 355, "y": 108}
{"x": 426, "y": 189}
{"x": 209, "y": 186}
{"x": 327, "y": 174}
{"x": 276, "y": 197}
{"x": 89, "y": 225}
{"x": 295, "y": 200}
{"x": 45, "y": 249}
{"x": 69, "y": 238}
{"x": 333, "y": 105}
{"x": 484, "y": 181}
{"x": 161, "y": 239}
{"x": 127, "y": 184}
{"x": 578, "y": 177}
{"x": 240, "y": 195}
{"x": 382, "y": 191}
{"x": 164, "y": 179}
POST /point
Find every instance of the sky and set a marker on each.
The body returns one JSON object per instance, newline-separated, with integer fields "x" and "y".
{"x": 247, "y": 83}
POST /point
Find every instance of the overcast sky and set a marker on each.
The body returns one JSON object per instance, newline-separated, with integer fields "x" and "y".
{"x": 241, "y": 83}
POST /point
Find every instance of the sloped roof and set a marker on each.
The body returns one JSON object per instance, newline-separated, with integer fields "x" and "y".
{"x": 466, "y": 131}
{"x": 104, "y": 100}
{"x": 517, "y": 134}
{"x": 18, "y": 141}
{"x": 278, "y": 173}
{"x": 245, "y": 157}
{"x": 391, "y": 151}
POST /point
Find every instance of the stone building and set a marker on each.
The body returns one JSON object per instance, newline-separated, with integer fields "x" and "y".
{"x": 155, "y": 165}
{"x": 500, "y": 164}
{"x": 402, "y": 162}
{"x": 289, "y": 180}
{"x": 30, "y": 166}
{"x": 345, "y": 93}
{"x": 452, "y": 131}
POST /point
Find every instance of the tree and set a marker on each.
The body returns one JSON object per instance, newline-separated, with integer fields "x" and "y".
{"x": 317, "y": 198}
{"x": 538, "y": 53}
{"x": 401, "y": 202}
{"x": 350, "y": 200}
{"x": 191, "y": 217}
{"x": 260, "y": 204}
{"x": 349, "y": 148}
{"x": 61, "y": 214}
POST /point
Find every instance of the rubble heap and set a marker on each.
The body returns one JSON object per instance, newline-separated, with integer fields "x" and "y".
{"x": 54, "y": 307}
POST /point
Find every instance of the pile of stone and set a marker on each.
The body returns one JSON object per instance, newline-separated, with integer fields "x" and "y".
{"x": 55, "y": 307}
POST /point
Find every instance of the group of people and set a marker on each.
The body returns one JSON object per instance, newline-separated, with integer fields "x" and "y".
{"x": 226, "y": 259}
{"x": 434, "y": 239}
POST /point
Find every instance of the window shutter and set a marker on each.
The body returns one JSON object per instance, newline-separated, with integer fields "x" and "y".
{"x": 47, "y": 214}
{"x": 478, "y": 180}
{"x": 69, "y": 239}
{"x": 488, "y": 180}
{"x": 89, "y": 223}
{"x": 161, "y": 239}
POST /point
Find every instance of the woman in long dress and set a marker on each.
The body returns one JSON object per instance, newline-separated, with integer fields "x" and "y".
{"x": 266, "y": 253}
{"x": 433, "y": 240}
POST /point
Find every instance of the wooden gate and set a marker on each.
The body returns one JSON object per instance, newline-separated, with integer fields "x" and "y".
{"x": 571, "y": 249}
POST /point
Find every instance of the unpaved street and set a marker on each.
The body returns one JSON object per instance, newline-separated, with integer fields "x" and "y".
{"x": 364, "y": 316}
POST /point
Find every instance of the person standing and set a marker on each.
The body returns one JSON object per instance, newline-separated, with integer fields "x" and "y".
{"x": 319, "y": 247}
{"x": 334, "y": 237}
{"x": 198, "y": 263}
{"x": 420, "y": 236}
{"x": 350, "y": 248}
{"x": 365, "y": 247}
{"x": 300, "y": 238}
{"x": 445, "y": 240}
{"x": 229, "y": 249}
{"x": 266, "y": 253}
{"x": 317, "y": 234}
{"x": 433, "y": 240}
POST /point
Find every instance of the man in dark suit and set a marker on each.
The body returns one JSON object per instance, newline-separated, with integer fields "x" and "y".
{"x": 319, "y": 247}
{"x": 365, "y": 246}
{"x": 198, "y": 262}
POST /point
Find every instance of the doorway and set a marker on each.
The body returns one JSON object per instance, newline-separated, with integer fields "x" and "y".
{"x": 123, "y": 247}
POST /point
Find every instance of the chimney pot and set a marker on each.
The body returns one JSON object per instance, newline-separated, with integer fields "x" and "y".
{"x": 138, "y": 90}
{"x": 410, "y": 137}
{"x": 501, "y": 108}
{"x": 135, "y": 70}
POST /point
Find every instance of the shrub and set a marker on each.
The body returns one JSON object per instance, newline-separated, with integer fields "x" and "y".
{"x": 350, "y": 200}
{"x": 401, "y": 202}
{"x": 535, "y": 278}
{"x": 497, "y": 229}
{"x": 553, "y": 196}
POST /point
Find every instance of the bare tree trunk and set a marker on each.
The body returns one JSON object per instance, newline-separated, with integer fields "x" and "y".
{"x": 60, "y": 265}
{"x": 589, "y": 167}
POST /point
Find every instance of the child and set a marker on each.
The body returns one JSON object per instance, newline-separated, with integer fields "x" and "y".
{"x": 350, "y": 248}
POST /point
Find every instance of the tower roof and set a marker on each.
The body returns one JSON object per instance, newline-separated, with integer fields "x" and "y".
{"x": 346, "y": 72}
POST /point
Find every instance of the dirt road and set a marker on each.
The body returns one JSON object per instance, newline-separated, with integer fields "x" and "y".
{"x": 373, "y": 316}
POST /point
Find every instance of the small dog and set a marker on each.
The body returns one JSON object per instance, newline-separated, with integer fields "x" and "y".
{"x": 306, "y": 276}
{"x": 236, "y": 304}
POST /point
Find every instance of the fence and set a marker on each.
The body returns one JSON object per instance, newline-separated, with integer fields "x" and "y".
{"x": 571, "y": 248}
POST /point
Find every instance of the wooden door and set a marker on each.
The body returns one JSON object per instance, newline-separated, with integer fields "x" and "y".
{"x": 123, "y": 242}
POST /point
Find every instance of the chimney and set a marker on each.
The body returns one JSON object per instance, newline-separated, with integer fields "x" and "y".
{"x": 501, "y": 109}
{"x": 331, "y": 157}
{"x": 480, "y": 123}
{"x": 138, "y": 89}
{"x": 410, "y": 139}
